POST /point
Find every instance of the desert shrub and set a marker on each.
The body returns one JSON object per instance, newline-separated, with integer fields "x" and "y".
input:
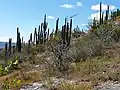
{"x": 85, "y": 47}
{"x": 40, "y": 48}
{"x": 62, "y": 53}
{"x": 72, "y": 86}
{"x": 108, "y": 34}
{"x": 7, "y": 84}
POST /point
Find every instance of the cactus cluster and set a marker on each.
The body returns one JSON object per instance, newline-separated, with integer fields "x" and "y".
{"x": 66, "y": 32}
{"x": 115, "y": 14}
{"x": 103, "y": 20}
{"x": 42, "y": 35}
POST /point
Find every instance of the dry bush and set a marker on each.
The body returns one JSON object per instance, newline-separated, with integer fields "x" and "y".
{"x": 107, "y": 34}
{"x": 85, "y": 48}
{"x": 62, "y": 53}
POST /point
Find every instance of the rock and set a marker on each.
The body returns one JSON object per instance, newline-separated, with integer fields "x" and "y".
{"x": 37, "y": 66}
{"x": 34, "y": 86}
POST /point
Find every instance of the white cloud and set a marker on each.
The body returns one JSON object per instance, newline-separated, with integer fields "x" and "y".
{"x": 50, "y": 17}
{"x": 104, "y": 7}
{"x": 96, "y": 16}
{"x": 67, "y": 6}
{"x": 79, "y": 4}
{"x": 83, "y": 24}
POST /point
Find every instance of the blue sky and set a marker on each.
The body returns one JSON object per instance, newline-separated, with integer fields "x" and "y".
{"x": 28, "y": 14}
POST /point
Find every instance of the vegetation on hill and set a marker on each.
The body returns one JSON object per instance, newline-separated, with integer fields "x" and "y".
{"x": 88, "y": 58}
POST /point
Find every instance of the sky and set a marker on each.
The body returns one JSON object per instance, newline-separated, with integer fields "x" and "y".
{"x": 28, "y": 14}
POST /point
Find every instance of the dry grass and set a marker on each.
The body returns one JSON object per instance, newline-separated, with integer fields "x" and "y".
{"x": 96, "y": 70}
{"x": 24, "y": 77}
{"x": 72, "y": 86}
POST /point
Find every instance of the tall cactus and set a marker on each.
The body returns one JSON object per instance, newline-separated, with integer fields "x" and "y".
{"x": 100, "y": 12}
{"x": 62, "y": 33}
{"x": 31, "y": 37}
{"x": 22, "y": 40}
{"x": 64, "y": 29}
{"x": 39, "y": 34}
{"x": 45, "y": 28}
{"x": 48, "y": 35}
{"x": 6, "y": 45}
{"x": 51, "y": 35}
{"x": 94, "y": 23}
{"x": 35, "y": 36}
{"x": 17, "y": 39}
{"x": 10, "y": 42}
{"x": 70, "y": 31}
{"x": 111, "y": 15}
{"x": 102, "y": 19}
{"x": 107, "y": 13}
{"x": 118, "y": 12}
{"x": 18, "y": 45}
{"x": 56, "y": 31}
{"x": 67, "y": 33}
{"x": 28, "y": 48}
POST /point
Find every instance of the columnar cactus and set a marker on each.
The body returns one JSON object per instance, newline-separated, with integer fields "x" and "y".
{"x": 64, "y": 29}
{"x": 17, "y": 38}
{"x": 39, "y": 34}
{"x": 48, "y": 35}
{"x": 102, "y": 19}
{"x": 35, "y": 36}
{"x": 56, "y": 31}
{"x": 28, "y": 49}
{"x": 94, "y": 24}
{"x": 31, "y": 37}
{"x": 18, "y": 45}
{"x": 6, "y": 45}
{"x": 100, "y": 12}
{"x": 62, "y": 32}
{"x": 70, "y": 31}
{"x": 111, "y": 15}
{"x": 107, "y": 14}
{"x": 22, "y": 40}
{"x": 51, "y": 35}
{"x": 117, "y": 12}
{"x": 67, "y": 33}
{"x": 10, "y": 42}
{"x": 45, "y": 28}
